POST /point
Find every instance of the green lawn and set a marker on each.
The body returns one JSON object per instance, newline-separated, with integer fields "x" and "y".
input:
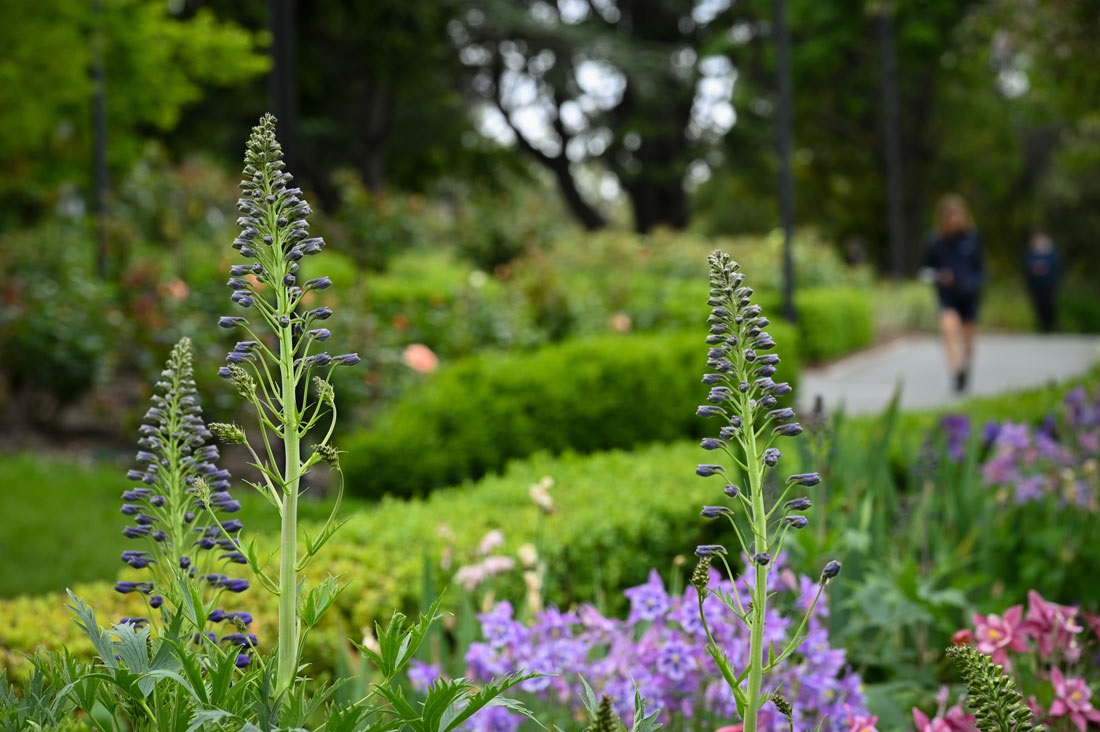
{"x": 62, "y": 522}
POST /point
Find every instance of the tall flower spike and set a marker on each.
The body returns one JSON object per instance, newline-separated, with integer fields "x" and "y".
{"x": 279, "y": 351}
{"x": 743, "y": 397}
{"x": 179, "y": 479}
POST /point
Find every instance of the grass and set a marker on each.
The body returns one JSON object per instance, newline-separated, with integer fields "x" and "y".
{"x": 63, "y": 524}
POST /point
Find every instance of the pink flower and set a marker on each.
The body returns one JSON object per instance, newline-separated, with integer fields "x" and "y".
{"x": 954, "y": 720}
{"x": 1071, "y": 699}
{"x": 1053, "y": 626}
{"x": 731, "y": 728}
{"x": 860, "y": 723}
{"x": 420, "y": 358}
{"x": 997, "y": 635}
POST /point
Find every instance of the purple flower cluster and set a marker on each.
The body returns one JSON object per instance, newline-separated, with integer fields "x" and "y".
{"x": 661, "y": 648}
{"x": 275, "y": 237}
{"x": 1056, "y": 459}
{"x": 180, "y": 491}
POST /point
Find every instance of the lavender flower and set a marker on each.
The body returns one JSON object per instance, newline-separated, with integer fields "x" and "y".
{"x": 660, "y": 649}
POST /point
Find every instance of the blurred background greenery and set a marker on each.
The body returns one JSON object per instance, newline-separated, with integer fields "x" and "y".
{"x": 525, "y": 192}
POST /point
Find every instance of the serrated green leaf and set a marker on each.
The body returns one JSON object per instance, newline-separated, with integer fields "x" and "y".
{"x": 85, "y": 620}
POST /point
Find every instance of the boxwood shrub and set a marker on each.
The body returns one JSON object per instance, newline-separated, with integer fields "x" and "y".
{"x": 597, "y": 393}
{"x": 616, "y": 515}
{"x": 832, "y": 322}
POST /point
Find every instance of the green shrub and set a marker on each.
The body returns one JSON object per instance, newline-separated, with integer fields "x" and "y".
{"x": 617, "y": 514}
{"x": 586, "y": 395}
{"x": 831, "y": 322}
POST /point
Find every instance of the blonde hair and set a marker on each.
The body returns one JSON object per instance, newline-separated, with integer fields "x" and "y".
{"x": 952, "y": 202}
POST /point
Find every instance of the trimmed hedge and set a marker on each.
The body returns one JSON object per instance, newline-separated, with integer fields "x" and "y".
{"x": 832, "y": 322}
{"x": 586, "y": 395}
{"x": 617, "y": 515}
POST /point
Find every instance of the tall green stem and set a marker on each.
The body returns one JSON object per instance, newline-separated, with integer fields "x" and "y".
{"x": 288, "y": 576}
{"x": 760, "y": 591}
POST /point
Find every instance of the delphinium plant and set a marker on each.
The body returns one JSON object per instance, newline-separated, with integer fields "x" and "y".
{"x": 186, "y": 551}
{"x": 745, "y": 399}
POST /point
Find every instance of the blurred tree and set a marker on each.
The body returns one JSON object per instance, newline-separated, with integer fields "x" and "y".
{"x": 633, "y": 89}
{"x": 991, "y": 94}
{"x": 154, "y": 66}
{"x": 377, "y": 94}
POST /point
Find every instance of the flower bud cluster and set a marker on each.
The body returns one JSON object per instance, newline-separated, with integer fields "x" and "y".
{"x": 181, "y": 489}
{"x": 275, "y": 238}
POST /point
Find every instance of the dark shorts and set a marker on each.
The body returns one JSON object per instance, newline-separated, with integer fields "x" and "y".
{"x": 965, "y": 305}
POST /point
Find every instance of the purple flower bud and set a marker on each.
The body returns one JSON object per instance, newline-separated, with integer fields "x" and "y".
{"x": 763, "y": 342}
{"x": 156, "y": 601}
{"x": 294, "y": 254}
{"x": 728, "y": 432}
{"x": 832, "y": 569}
{"x": 135, "y": 532}
{"x": 346, "y": 359}
{"x": 750, "y": 355}
{"x": 709, "y": 443}
{"x": 225, "y": 373}
{"x": 709, "y": 410}
{"x": 232, "y": 526}
{"x": 716, "y": 353}
{"x": 771, "y": 457}
{"x": 312, "y": 246}
{"x": 788, "y": 430}
{"x": 781, "y": 414}
{"x": 227, "y": 321}
{"x": 234, "y": 557}
{"x": 715, "y": 339}
{"x": 319, "y": 334}
{"x": 715, "y": 511}
{"x": 731, "y": 490}
{"x": 709, "y": 550}
{"x": 236, "y": 357}
{"x": 137, "y": 559}
{"x": 767, "y": 402}
{"x": 798, "y": 504}
{"x": 238, "y": 284}
{"x": 243, "y": 660}
{"x": 762, "y": 559}
{"x": 804, "y": 479}
{"x": 318, "y": 283}
{"x": 796, "y": 522}
{"x": 127, "y": 587}
{"x": 711, "y": 379}
{"x": 320, "y": 359}
{"x": 780, "y": 389}
{"x": 719, "y": 394}
{"x": 240, "y": 639}
{"x": 319, "y": 314}
{"x": 765, "y": 371}
{"x": 708, "y": 470}
{"x": 234, "y": 585}
{"x": 129, "y": 509}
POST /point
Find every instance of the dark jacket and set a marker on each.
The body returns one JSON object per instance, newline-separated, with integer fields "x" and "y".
{"x": 960, "y": 253}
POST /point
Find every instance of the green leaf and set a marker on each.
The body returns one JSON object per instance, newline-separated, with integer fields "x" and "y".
{"x": 489, "y": 696}
{"x": 85, "y": 619}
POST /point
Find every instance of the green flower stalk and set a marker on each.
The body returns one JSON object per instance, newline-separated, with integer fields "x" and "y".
{"x": 997, "y": 703}
{"x": 180, "y": 491}
{"x": 280, "y": 355}
{"x": 744, "y": 398}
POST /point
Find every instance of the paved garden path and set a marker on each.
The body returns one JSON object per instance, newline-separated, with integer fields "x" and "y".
{"x": 864, "y": 382}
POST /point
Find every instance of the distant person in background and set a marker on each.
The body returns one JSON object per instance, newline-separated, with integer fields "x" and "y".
{"x": 954, "y": 262}
{"x": 1042, "y": 270}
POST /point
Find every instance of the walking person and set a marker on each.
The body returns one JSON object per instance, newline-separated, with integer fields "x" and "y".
{"x": 955, "y": 263}
{"x": 1042, "y": 270}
